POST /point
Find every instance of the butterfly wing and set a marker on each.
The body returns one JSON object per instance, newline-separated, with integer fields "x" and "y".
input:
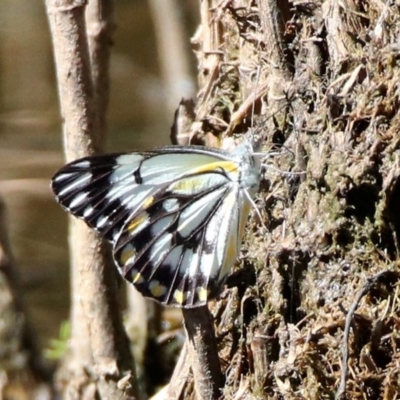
{"x": 106, "y": 190}
{"x": 175, "y": 216}
{"x": 101, "y": 190}
{"x": 180, "y": 248}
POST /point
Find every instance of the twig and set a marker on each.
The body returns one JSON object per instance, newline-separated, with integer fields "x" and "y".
{"x": 173, "y": 51}
{"x": 180, "y": 376}
{"x": 200, "y": 354}
{"x": 103, "y": 352}
{"x": 100, "y": 26}
{"x": 203, "y": 352}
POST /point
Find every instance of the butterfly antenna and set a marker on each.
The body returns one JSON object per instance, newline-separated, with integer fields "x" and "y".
{"x": 256, "y": 141}
{"x": 285, "y": 173}
{"x": 253, "y": 106}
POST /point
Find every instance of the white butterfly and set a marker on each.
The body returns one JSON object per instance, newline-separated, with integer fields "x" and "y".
{"x": 175, "y": 216}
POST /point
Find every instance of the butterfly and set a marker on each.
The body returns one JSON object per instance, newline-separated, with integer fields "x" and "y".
{"x": 175, "y": 216}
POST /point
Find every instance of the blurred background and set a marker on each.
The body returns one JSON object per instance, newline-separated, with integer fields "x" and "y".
{"x": 140, "y": 116}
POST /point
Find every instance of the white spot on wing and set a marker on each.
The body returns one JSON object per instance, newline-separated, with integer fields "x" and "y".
{"x": 126, "y": 166}
{"x": 81, "y": 181}
{"x": 102, "y": 221}
{"x": 129, "y": 159}
{"x": 136, "y": 197}
{"x": 118, "y": 190}
{"x": 170, "y": 205}
{"x": 88, "y": 210}
{"x": 78, "y": 200}
{"x": 82, "y": 164}
{"x": 63, "y": 176}
{"x": 161, "y": 225}
{"x": 160, "y": 247}
{"x": 209, "y": 265}
{"x": 192, "y": 216}
{"x": 190, "y": 262}
{"x": 123, "y": 173}
{"x": 174, "y": 256}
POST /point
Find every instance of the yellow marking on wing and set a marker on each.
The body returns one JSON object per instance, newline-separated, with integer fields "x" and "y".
{"x": 126, "y": 254}
{"x": 202, "y": 292}
{"x": 192, "y": 183}
{"x": 179, "y": 296}
{"x": 228, "y": 166}
{"x": 138, "y": 278}
{"x": 156, "y": 289}
{"x": 136, "y": 222}
{"x": 186, "y": 184}
{"x": 148, "y": 202}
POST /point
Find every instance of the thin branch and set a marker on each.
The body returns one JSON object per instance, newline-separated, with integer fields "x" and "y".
{"x": 173, "y": 51}
{"x": 203, "y": 352}
{"x": 180, "y": 376}
{"x": 100, "y": 27}
{"x": 200, "y": 354}
{"x": 106, "y": 355}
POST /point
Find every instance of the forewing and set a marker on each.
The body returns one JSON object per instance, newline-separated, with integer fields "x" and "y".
{"x": 105, "y": 191}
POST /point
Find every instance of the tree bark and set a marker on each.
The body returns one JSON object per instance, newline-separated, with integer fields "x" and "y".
{"x": 99, "y": 362}
{"x": 319, "y": 84}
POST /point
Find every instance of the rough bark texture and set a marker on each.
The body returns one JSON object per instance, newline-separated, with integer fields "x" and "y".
{"x": 318, "y": 289}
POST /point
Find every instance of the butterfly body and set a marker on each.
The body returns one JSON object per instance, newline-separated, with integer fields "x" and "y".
{"x": 175, "y": 216}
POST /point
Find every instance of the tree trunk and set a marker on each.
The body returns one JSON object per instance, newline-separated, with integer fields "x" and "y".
{"x": 312, "y": 312}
